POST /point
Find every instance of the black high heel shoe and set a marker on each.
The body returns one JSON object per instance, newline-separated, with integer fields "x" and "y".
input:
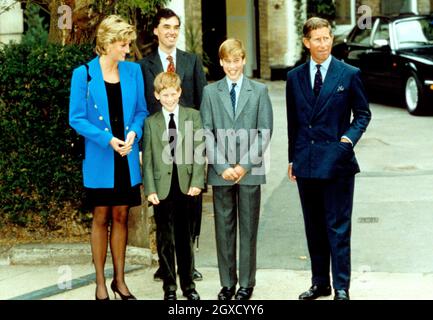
{"x": 99, "y": 299}
{"x": 122, "y": 296}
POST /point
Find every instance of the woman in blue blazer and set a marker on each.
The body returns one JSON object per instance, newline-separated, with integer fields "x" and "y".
{"x": 107, "y": 107}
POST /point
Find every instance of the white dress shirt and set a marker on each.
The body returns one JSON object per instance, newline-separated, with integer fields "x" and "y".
{"x": 163, "y": 56}
{"x": 323, "y": 69}
{"x": 167, "y": 117}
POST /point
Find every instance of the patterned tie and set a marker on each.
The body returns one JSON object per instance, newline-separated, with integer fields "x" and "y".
{"x": 172, "y": 134}
{"x": 317, "y": 81}
{"x": 170, "y": 67}
{"x": 233, "y": 97}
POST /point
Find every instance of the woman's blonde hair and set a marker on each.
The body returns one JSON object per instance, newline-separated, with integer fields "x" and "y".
{"x": 166, "y": 80}
{"x": 113, "y": 28}
{"x": 232, "y": 47}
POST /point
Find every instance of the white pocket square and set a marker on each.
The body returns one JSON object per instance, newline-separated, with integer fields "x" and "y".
{"x": 340, "y": 88}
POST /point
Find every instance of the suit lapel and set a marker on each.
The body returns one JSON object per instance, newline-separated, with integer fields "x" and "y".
{"x": 128, "y": 91}
{"x": 181, "y": 125}
{"x": 244, "y": 95}
{"x": 97, "y": 90}
{"x": 181, "y": 63}
{"x": 225, "y": 96}
{"x": 155, "y": 63}
{"x": 161, "y": 131}
{"x": 328, "y": 88}
{"x": 305, "y": 83}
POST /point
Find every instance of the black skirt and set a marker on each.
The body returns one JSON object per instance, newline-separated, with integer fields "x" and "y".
{"x": 122, "y": 194}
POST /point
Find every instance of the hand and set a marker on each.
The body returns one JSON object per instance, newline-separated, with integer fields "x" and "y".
{"x": 193, "y": 191}
{"x": 117, "y": 145}
{"x": 344, "y": 140}
{"x": 290, "y": 173}
{"x": 240, "y": 171}
{"x": 130, "y": 137}
{"x": 127, "y": 147}
{"x": 153, "y": 198}
{"x": 230, "y": 174}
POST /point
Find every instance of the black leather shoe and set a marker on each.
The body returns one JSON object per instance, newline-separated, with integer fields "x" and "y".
{"x": 170, "y": 295}
{"x": 314, "y": 292}
{"x": 196, "y": 276}
{"x": 157, "y": 276}
{"x": 341, "y": 294}
{"x": 191, "y": 295}
{"x": 244, "y": 293}
{"x": 226, "y": 293}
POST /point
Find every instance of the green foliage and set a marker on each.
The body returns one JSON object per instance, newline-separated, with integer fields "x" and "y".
{"x": 322, "y": 8}
{"x": 37, "y": 173}
{"x": 37, "y": 31}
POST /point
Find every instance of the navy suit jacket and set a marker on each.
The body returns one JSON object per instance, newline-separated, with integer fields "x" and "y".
{"x": 190, "y": 71}
{"x": 316, "y": 125}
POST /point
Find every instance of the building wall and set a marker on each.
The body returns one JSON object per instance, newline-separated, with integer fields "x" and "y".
{"x": 11, "y": 23}
{"x": 425, "y": 6}
{"x": 240, "y": 25}
{"x": 265, "y": 71}
{"x": 193, "y": 23}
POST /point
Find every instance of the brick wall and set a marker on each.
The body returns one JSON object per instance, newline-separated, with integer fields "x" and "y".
{"x": 425, "y": 6}
{"x": 265, "y": 71}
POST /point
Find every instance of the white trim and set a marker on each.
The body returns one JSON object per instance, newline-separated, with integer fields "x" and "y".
{"x": 414, "y": 6}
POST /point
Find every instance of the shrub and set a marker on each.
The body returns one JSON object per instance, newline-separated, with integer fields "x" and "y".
{"x": 37, "y": 173}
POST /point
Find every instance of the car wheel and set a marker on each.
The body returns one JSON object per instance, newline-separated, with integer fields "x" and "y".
{"x": 413, "y": 95}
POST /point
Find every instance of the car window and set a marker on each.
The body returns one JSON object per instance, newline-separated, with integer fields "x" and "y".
{"x": 362, "y": 36}
{"x": 382, "y": 32}
{"x": 414, "y": 33}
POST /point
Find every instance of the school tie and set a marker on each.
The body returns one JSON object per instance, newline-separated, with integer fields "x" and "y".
{"x": 233, "y": 97}
{"x": 172, "y": 134}
{"x": 317, "y": 81}
{"x": 170, "y": 67}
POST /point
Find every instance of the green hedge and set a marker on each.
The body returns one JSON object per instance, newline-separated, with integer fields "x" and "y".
{"x": 37, "y": 173}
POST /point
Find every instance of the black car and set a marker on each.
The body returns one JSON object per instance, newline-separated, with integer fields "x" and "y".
{"x": 395, "y": 54}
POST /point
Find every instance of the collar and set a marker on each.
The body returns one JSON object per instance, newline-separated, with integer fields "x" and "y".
{"x": 238, "y": 82}
{"x": 164, "y": 55}
{"x": 167, "y": 114}
{"x": 324, "y": 65}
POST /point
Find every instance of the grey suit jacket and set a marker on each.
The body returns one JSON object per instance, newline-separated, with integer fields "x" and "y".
{"x": 237, "y": 139}
{"x": 190, "y": 70}
{"x": 157, "y": 160}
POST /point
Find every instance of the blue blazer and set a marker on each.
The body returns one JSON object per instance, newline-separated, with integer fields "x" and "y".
{"x": 89, "y": 116}
{"x": 316, "y": 125}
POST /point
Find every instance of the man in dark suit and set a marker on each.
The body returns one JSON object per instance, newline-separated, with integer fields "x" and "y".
{"x": 190, "y": 70}
{"x": 322, "y": 95}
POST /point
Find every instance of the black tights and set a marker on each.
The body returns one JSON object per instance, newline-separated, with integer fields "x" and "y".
{"x": 118, "y": 240}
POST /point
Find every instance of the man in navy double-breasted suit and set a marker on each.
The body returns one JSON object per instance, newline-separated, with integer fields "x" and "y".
{"x": 322, "y": 95}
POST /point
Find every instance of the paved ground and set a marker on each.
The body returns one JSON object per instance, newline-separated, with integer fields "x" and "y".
{"x": 392, "y": 221}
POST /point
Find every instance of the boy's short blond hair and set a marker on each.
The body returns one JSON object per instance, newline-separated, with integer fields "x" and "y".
{"x": 231, "y": 47}
{"x": 166, "y": 80}
{"x": 113, "y": 28}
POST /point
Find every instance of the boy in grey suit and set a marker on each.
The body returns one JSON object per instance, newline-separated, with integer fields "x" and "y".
{"x": 237, "y": 118}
